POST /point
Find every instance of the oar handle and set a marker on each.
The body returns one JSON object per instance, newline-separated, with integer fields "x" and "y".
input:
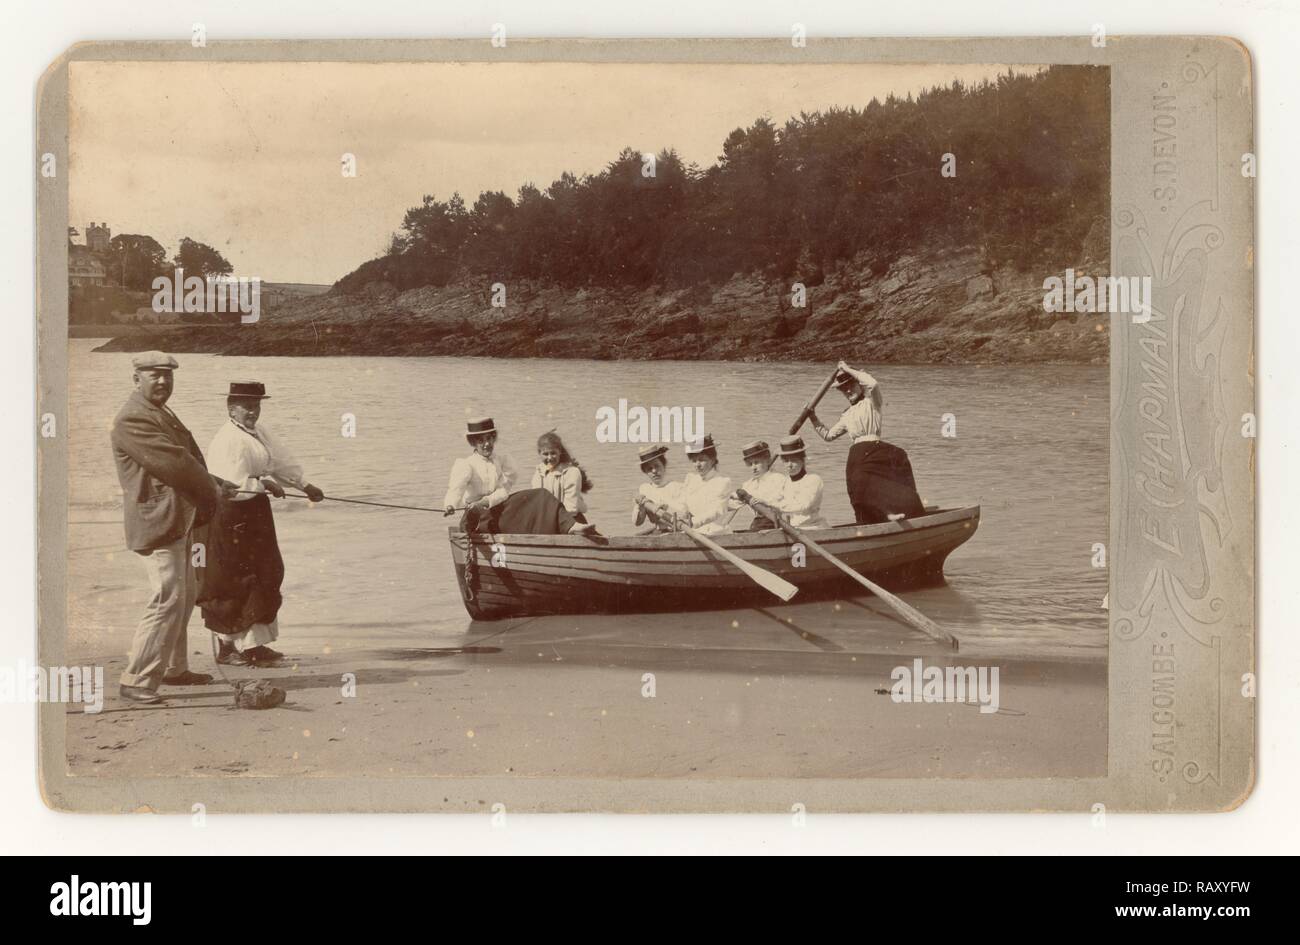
{"x": 809, "y": 407}
{"x": 762, "y": 508}
{"x": 652, "y": 510}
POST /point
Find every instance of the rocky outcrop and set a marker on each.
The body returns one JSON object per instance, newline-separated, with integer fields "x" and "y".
{"x": 948, "y": 306}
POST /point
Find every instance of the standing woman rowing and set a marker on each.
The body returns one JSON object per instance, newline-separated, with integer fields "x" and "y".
{"x": 878, "y": 474}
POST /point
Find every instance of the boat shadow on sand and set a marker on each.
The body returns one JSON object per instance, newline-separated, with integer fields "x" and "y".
{"x": 835, "y": 635}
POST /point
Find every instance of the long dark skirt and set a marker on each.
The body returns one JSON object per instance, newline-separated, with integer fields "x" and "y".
{"x": 880, "y": 482}
{"x": 239, "y": 584}
{"x": 529, "y": 512}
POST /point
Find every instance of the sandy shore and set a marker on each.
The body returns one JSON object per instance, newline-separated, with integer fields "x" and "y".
{"x": 756, "y": 693}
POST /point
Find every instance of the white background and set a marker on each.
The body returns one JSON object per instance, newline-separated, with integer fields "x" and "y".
{"x": 36, "y": 33}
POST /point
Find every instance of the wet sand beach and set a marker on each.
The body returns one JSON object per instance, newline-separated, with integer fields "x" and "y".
{"x": 788, "y": 692}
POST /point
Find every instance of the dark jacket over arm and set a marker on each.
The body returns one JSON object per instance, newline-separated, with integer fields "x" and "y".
{"x": 166, "y": 487}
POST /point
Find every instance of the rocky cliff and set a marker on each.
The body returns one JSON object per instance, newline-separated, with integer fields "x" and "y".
{"x": 952, "y": 306}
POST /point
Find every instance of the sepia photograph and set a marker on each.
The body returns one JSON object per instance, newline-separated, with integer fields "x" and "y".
{"x": 555, "y": 429}
{"x": 589, "y": 419}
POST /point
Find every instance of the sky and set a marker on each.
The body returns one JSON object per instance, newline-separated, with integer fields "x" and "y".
{"x": 247, "y": 156}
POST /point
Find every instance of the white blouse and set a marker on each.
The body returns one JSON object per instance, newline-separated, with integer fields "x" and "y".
{"x": 802, "y": 502}
{"x": 706, "y": 500}
{"x": 473, "y": 478}
{"x": 862, "y": 420}
{"x": 669, "y": 494}
{"x": 243, "y": 456}
{"x": 563, "y": 482}
{"x": 768, "y": 488}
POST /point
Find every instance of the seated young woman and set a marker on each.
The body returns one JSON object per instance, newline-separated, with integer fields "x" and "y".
{"x": 706, "y": 491}
{"x": 480, "y": 485}
{"x": 658, "y": 499}
{"x": 560, "y": 475}
{"x": 765, "y": 484}
{"x": 801, "y": 501}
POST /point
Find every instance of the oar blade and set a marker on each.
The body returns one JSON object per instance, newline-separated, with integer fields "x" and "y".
{"x": 905, "y": 610}
{"x": 774, "y": 583}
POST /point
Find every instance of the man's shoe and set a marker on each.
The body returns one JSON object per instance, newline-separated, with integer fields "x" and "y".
{"x": 262, "y": 655}
{"x": 141, "y": 694}
{"x": 187, "y": 678}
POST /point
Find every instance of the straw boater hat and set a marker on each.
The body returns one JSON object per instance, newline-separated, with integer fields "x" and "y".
{"x": 648, "y": 454}
{"x": 154, "y": 361}
{"x": 792, "y": 446}
{"x": 250, "y": 389}
{"x": 702, "y": 445}
{"x": 755, "y": 450}
{"x": 479, "y": 426}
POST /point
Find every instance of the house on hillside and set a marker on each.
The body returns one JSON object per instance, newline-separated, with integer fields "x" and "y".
{"x": 85, "y": 268}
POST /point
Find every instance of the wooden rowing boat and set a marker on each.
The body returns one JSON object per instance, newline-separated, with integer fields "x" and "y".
{"x": 527, "y": 575}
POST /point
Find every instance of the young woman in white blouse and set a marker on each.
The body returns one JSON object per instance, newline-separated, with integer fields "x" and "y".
{"x": 801, "y": 501}
{"x": 560, "y": 475}
{"x": 706, "y": 491}
{"x": 878, "y": 474}
{"x": 765, "y": 484}
{"x": 657, "y": 499}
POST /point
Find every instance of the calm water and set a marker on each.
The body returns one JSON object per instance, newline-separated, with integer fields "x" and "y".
{"x": 1031, "y": 448}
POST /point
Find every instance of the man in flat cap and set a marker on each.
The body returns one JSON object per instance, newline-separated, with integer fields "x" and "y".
{"x": 166, "y": 492}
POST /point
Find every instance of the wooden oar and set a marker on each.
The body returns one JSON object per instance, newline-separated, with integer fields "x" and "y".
{"x": 809, "y": 407}
{"x": 904, "y": 609}
{"x": 770, "y": 582}
{"x": 766, "y": 579}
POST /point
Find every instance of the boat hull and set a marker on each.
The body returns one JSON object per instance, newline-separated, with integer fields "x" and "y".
{"x": 528, "y": 575}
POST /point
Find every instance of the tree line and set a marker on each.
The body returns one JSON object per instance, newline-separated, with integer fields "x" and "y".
{"x": 1019, "y": 164}
{"x": 134, "y": 260}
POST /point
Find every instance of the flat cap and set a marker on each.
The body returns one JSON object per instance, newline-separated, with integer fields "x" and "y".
{"x": 155, "y": 360}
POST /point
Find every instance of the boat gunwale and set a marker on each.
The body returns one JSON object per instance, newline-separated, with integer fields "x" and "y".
{"x": 769, "y": 538}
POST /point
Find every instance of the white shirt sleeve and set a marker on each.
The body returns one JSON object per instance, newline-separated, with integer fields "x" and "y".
{"x": 505, "y": 479}
{"x": 538, "y": 481}
{"x": 674, "y": 496}
{"x": 571, "y": 489}
{"x": 230, "y": 458}
{"x": 285, "y": 468}
{"x": 709, "y": 501}
{"x": 457, "y": 483}
{"x": 863, "y": 378}
{"x": 771, "y": 488}
{"x": 803, "y": 497}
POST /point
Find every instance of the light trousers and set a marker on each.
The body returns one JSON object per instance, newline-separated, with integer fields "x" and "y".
{"x": 159, "y": 646}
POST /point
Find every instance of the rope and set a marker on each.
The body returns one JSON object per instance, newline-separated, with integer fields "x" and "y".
{"x": 216, "y": 652}
{"x": 334, "y": 498}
